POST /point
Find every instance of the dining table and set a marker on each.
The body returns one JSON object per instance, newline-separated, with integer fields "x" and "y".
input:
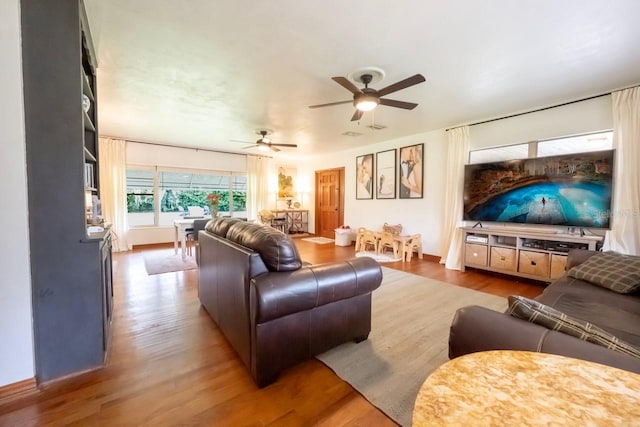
{"x": 180, "y": 227}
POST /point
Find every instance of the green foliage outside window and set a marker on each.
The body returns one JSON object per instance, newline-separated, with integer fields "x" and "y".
{"x": 178, "y": 201}
{"x": 139, "y": 203}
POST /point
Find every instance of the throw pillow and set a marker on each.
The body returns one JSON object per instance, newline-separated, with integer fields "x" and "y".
{"x": 540, "y": 314}
{"x": 617, "y": 272}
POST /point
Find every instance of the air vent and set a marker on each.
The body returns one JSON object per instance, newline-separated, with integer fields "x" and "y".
{"x": 376, "y": 126}
{"x": 348, "y": 133}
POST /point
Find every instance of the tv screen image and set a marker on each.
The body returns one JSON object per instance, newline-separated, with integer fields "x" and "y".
{"x": 571, "y": 190}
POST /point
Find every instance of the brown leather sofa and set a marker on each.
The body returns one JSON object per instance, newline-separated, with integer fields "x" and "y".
{"x": 273, "y": 310}
{"x": 479, "y": 329}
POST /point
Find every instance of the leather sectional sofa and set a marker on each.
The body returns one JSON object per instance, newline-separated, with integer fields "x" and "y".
{"x": 480, "y": 329}
{"x": 274, "y": 310}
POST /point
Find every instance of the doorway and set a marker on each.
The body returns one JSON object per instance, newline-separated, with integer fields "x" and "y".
{"x": 329, "y": 201}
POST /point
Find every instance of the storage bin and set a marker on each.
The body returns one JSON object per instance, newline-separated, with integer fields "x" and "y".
{"x": 475, "y": 255}
{"x": 503, "y": 258}
{"x": 343, "y": 236}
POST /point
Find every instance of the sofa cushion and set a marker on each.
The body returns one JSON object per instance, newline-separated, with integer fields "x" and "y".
{"x": 276, "y": 249}
{"x": 220, "y": 226}
{"x": 618, "y": 272}
{"x": 538, "y": 313}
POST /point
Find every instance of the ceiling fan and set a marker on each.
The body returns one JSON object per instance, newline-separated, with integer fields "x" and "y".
{"x": 367, "y": 99}
{"x": 263, "y": 143}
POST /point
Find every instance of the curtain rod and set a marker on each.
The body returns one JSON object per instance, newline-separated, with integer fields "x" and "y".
{"x": 542, "y": 108}
{"x": 186, "y": 147}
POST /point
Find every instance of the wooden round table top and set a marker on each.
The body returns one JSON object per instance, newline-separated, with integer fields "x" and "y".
{"x": 520, "y": 388}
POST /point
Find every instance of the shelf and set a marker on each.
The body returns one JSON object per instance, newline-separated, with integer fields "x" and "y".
{"x": 546, "y": 248}
{"x": 88, "y": 155}
{"x": 88, "y": 124}
{"x": 86, "y": 87}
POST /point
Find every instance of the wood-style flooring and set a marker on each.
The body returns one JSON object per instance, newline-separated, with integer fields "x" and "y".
{"x": 169, "y": 365}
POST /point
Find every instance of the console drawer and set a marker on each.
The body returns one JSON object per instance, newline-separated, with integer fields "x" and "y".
{"x": 475, "y": 254}
{"x": 503, "y": 258}
{"x": 534, "y": 263}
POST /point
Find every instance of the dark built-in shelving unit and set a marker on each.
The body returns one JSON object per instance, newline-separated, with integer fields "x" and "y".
{"x": 72, "y": 290}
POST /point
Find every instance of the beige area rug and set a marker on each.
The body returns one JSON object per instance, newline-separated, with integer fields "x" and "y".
{"x": 319, "y": 240}
{"x": 163, "y": 263}
{"x": 408, "y": 340}
{"x": 377, "y": 257}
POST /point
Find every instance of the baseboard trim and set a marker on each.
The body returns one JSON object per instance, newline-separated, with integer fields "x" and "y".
{"x": 17, "y": 390}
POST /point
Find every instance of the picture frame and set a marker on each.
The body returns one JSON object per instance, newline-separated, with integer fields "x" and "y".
{"x": 411, "y": 172}
{"x": 386, "y": 174}
{"x": 365, "y": 177}
{"x": 286, "y": 177}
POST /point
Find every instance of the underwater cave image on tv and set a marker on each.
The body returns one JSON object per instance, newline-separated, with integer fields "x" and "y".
{"x": 572, "y": 190}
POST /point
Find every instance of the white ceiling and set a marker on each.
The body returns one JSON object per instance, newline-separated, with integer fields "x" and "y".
{"x": 199, "y": 72}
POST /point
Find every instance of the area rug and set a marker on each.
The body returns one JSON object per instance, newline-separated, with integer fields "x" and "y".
{"x": 377, "y": 257}
{"x": 163, "y": 263}
{"x": 408, "y": 340}
{"x": 319, "y": 240}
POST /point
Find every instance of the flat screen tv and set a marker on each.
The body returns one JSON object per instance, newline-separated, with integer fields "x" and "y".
{"x": 572, "y": 190}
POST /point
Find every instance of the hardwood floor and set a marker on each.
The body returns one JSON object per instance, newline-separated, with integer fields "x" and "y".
{"x": 170, "y": 365}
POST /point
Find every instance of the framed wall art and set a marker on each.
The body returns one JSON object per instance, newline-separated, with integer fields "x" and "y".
{"x": 286, "y": 176}
{"x": 410, "y": 167}
{"x": 364, "y": 177}
{"x": 386, "y": 174}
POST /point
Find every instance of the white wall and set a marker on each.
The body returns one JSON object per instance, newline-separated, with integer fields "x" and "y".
{"x": 422, "y": 216}
{"x": 173, "y": 157}
{"x": 16, "y": 328}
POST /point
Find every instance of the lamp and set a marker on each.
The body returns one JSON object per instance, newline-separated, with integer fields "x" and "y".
{"x": 366, "y": 102}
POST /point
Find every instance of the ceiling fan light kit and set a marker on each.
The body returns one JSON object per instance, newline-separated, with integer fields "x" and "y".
{"x": 367, "y": 99}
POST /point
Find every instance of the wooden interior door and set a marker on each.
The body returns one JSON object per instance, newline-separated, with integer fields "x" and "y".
{"x": 329, "y": 201}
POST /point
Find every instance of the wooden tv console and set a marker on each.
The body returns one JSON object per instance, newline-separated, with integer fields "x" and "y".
{"x": 538, "y": 256}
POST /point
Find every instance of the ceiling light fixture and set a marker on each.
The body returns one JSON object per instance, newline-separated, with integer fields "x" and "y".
{"x": 366, "y": 102}
{"x": 263, "y": 148}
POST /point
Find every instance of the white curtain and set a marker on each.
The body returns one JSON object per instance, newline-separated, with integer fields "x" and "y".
{"x": 257, "y": 185}
{"x": 457, "y": 157}
{"x": 624, "y": 236}
{"x": 113, "y": 189}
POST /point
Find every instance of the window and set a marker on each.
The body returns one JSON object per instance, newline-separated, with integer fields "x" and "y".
{"x": 576, "y": 144}
{"x": 178, "y": 190}
{"x": 140, "y": 197}
{"x": 239, "y": 192}
{"x": 507, "y": 152}
{"x": 550, "y": 147}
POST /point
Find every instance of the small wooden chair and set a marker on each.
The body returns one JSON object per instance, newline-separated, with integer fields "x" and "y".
{"x": 359, "y": 235}
{"x": 413, "y": 244}
{"x": 387, "y": 242}
{"x": 368, "y": 238}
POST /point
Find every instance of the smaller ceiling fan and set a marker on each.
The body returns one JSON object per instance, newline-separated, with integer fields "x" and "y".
{"x": 263, "y": 143}
{"x": 367, "y": 99}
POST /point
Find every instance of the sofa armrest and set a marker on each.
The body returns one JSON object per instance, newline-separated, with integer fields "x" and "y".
{"x": 477, "y": 328}
{"x": 278, "y": 294}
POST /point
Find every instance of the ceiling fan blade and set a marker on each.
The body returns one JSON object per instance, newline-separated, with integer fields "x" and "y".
{"x": 330, "y": 104}
{"x": 249, "y": 146}
{"x": 244, "y": 142}
{"x": 357, "y": 115}
{"x": 347, "y": 85}
{"x": 272, "y": 148}
{"x": 284, "y": 145}
{"x": 402, "y": 84}
{"x": 398, "y": 104}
